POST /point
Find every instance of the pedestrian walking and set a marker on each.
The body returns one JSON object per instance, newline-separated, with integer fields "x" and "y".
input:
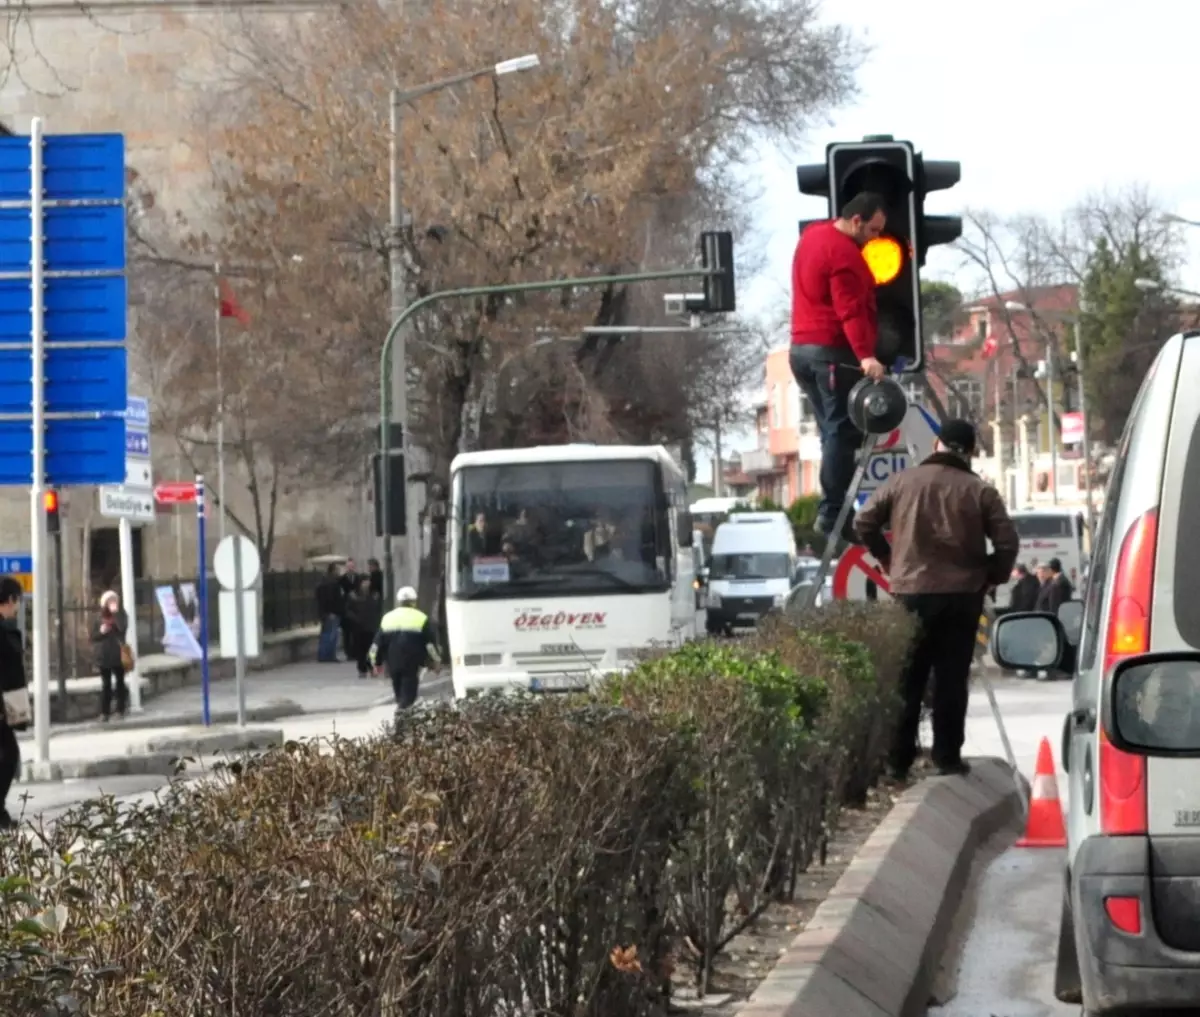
{"x": 330, "y": 607}
{"x": 1055, "y": 588}
{"x": 406, "y": 639}
{"x": 112, "y": 655}
{"x": 835, "y": 330}
{"x": 17, "y": 713}
{"x": 941, "y": 516}
{"x": 364, "y": 609}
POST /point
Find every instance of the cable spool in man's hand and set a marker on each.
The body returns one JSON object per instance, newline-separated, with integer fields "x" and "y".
{"x": 877, "y": 407}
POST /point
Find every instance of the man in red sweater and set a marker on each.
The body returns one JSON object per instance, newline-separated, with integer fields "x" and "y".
{"x": 834, "y": 328}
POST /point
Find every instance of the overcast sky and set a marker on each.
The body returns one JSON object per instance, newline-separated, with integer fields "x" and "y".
{"x": 1042, "y": 101}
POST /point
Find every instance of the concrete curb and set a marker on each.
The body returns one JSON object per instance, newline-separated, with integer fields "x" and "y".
{"x": 872, "y": 948}
{"x": 155, "y": 756}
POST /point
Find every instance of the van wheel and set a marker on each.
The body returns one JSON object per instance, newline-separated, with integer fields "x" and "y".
{"x": 1068, "y": 985}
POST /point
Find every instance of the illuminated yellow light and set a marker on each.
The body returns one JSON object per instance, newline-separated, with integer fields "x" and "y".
{"x": 885, "y": 258}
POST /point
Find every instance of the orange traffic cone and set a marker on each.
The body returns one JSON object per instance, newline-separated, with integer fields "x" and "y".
{"x": 1045, "y": 827}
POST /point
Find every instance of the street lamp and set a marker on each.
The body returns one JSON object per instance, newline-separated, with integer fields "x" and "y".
{"x": 401, "y": 97}
{"x": 1154, "y": 286}
{"x": 1074, "y": 318}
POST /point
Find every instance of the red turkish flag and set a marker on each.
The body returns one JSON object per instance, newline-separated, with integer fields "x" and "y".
{"x": 230, "y": 308}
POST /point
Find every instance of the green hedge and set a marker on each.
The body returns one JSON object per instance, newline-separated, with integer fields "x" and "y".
{"x": 553, "y": 855}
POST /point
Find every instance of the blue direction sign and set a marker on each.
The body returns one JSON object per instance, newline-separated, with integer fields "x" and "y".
{"x": 137, "y": 443}
{"x": 137, "y": 412}
{"x": 18, "y": 565}
{"x": 78, "y": 379}
{"x": 83, "y": 297}
{"x": 75, "y": 167}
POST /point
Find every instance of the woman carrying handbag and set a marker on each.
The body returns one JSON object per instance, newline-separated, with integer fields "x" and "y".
{"x": 17, "y": 714}
{"x": 113, "y": 657}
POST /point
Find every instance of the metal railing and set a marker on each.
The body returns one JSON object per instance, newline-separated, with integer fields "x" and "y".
{"x": 288, "y": 601}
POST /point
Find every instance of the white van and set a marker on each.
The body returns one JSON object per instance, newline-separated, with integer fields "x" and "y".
{"x": 752, "y": 567}
{"x": 1129, "y": 939}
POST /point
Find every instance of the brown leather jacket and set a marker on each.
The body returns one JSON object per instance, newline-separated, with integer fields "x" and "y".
{"x": 941, "y": 516}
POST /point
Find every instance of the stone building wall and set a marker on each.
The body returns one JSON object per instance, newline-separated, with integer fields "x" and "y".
{"x": 153, "y": 70}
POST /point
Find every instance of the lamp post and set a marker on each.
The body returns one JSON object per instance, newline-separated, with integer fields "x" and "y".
{"x": 401, "y": 97}
{"x": 1074, "y": 318}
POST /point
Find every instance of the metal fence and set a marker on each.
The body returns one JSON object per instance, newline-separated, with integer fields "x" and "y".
{"x": 288, "y": 601}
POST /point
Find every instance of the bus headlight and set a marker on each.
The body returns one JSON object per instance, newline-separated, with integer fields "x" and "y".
{"x": 482, "y": 659}
{"x": 780, "y": 599}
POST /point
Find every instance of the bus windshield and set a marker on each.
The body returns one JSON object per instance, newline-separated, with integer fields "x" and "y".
{"x": 560, "y": 529}
{"x": 750, "y": 566}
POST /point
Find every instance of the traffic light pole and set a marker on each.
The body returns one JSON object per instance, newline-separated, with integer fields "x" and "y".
{"x": 385, "y": 370}
{"x": 60, "y": 628}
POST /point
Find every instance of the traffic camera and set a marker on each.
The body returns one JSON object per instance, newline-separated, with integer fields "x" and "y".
{"x": 903, "y": 178}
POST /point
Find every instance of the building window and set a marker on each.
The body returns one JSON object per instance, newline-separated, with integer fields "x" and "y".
{"x": 795, "y": 408}
{"x": 966, "y": 399}
{"x": 776, "y": 407}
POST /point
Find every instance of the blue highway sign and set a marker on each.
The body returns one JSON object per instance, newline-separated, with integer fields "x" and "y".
{"x": 79, "y": 379}
{"x": 85, "y": 388}
{"x": 75, "y": 167}
{"x": 78, "y": 238}
{"x": 77, "y": 452}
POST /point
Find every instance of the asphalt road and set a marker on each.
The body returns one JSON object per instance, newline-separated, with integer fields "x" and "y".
{"x": 1000, "y": 962}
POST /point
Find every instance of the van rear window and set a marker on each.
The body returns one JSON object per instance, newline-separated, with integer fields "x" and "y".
{"x": 1187, "y": 552}
{"x": 1042, "y": 527}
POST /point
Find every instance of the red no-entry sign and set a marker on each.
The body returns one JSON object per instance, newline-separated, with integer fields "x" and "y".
{"x": 176, "y": 493}
{"x": 854, "y": 570}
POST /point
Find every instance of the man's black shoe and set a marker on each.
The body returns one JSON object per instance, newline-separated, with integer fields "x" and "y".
{"x": 825, "y": 527}
{"x": 959, "y": 768}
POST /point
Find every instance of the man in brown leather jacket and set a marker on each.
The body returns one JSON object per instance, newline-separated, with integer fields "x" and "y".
{"x": 941, "y": 516}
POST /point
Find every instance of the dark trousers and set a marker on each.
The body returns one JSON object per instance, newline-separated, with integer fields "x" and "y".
{"x": 406, "y": 683}
{"x": 361, "y": 643}
{"x": 945, "y": 647}
{"x": 327, "y": 644}
{"x": 10, "y": 762}
{"x": 110, "y": 677}
{"x": 347, "y": 627}
{"x": 825, "y": 375}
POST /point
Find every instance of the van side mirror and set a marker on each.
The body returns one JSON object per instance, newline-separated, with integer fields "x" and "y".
{"x": 1028, "y": 641}
{"x": 1153, "y": 705}
{"x": 683, "y": 522}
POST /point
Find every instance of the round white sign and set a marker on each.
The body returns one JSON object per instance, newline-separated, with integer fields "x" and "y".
{"x": 223, "y": 562}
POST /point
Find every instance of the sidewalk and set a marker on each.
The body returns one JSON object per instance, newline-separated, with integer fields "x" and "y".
{"x": 49, "y": 800}
{"x": 285, "y": 691}
{"x": 332, "y": 696}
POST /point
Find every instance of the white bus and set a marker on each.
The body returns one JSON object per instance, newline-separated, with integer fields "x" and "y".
{"x": 564, "y": 562}
{"x": 1047, "y": 533}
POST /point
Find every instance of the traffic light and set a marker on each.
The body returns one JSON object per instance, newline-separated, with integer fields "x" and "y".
{"x": 397, "y": 520}
{"x": 902, "y": 177}
{"x": 50, "y": 500}
{"x": 716, "y": 255}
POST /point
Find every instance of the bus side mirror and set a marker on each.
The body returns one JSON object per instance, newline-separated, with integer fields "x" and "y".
{"x": 683, "y": 522}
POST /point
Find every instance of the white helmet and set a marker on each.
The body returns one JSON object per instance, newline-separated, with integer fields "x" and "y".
{"x": 406, "y": 595}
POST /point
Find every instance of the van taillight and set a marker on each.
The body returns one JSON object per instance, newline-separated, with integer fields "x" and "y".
{"x": 1122, "y": 775}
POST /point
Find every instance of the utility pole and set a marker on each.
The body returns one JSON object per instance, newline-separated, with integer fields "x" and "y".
{"x": 1083, "y": 420}
{"x": 399, "y": 366}
{"x": 718, "y": 479}
{"x": 1050, "y": 429}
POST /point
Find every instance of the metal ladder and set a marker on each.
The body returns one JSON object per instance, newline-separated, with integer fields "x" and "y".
{"x": 832, "y": 540}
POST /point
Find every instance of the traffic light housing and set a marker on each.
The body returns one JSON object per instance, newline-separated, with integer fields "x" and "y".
{"x": 716, "y": 257}
{"x": 395, "y": 523}
{"x": 53, "y": 522}
{"x": 903, "y": 178}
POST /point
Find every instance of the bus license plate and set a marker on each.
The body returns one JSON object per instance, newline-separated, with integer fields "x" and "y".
{"x": 558, "y": 683}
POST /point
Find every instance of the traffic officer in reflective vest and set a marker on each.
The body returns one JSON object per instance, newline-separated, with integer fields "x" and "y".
{"x": 406, "y": 637}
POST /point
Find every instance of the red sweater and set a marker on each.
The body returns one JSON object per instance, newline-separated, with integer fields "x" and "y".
{"x": 833, "y": 292}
